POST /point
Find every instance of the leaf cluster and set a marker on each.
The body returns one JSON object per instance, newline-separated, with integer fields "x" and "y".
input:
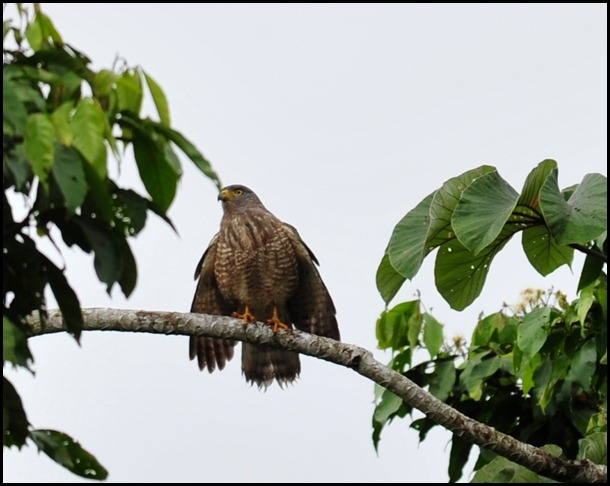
{"x": 62, "y": 123}
{"x": 536, "y": 372}
{"x": 472, "y": 217}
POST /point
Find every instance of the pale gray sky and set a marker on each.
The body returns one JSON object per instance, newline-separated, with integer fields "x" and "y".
{"x": 342, "y": 118}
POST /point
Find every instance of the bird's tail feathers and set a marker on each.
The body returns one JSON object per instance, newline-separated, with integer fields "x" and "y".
{"x": 263, "y": 364}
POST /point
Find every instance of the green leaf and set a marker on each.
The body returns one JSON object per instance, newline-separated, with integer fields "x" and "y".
{"x": 189, "y": 150}
{"x": 591, "y": 270}
{"x": 580, "y": 219}
{"x": 484, "y": 329}
{"x": 19, "y": 167}
{"x": 407, "y": 247}
{"x": 583, "y": 364}
{"x": 130, "y": 211}
{"x": 415, "y": 323}
{"x": 527, "y": 370}
{"x": 545, "y": 383}
{"x": 98, "y": 200}
{"x": 542, "y": 375}
{"x": 501, "y": 470}
{"x": 61, "y": 121}
{"x": 22, "y": 83}
{"x": 477, "y": 371}
{"x": 383, "y": 331}
{"x": 584, "y": 303}
{"x": 597, "y": 423}
{"x": 87, "y": 126}
{"x": 594, "y": 448}
{"x": 553, "y": 449}
{"x": 103, "y": 82}
{"x": 543, "y": 252}
{"x": 171, "y": 157}
{"x": 388, "y": 280}
{"x": 443, "y": 204}
{"x": 426, "y": 227}
{"x": 59, "y": 59}
{"x": 14, "y": 112}
{"x": 24, "y": 263}
{"x": 507, "y": 330}
{"x": 39, "y": 145}
{"x": 460, "y": 275}
{"x": 579, "y": 417}
{"x": 33, "y": 33}
{"x": 129, "y": 92}
{"x": 482, "y": 211}
{"x": 49, "y": 33}
{"x": 399, "y": 326}
{"x": 14, "y": 421}
{"x": 14, "y": 344}
{"x": 600, "y": 242}
{"x": 129, "y": 275}
{"x": 159, "y": 98}
{"x": 111, "y": 140}
{"x": 68, "y": 453}
{"x": 29, "y": 92}
{"x": 460, "y": 451}
{"x": 70, "y": 177}
{"x": 541, "y": 249}
{"x": 107, "y": 262}
{"x": 66, "y": 88}
{"x": 442, "y": 380}
{"x": 534, "y": 330}
{"x": 66, "y": 299}
{"x": 433, "y": 335}
{"x": 530, "y": 194}
{"x": 495, "y": 328}
{"x": 158, "y": 175}
{"x": 41, "y": 33}
{"x": 423, "y": 426}
{"x": 401, "y": 361}
{"x": 388, "y": 407}
{"x": 602, "y": 297}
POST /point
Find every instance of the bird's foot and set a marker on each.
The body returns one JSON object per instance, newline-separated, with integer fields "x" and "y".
{"x": 247, "y": 316}
{"x": 276, "y": 323}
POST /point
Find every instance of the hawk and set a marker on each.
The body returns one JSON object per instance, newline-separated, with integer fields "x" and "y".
{"x": 258, "y": 268}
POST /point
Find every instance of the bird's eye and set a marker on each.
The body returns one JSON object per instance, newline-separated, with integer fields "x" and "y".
{"x": 238, "y": 192}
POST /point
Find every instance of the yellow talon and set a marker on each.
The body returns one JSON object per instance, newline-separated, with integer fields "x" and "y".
{"x": 276, "y": 323}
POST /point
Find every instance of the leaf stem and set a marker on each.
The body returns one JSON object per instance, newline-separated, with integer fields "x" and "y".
{"x": 590, "y": 251}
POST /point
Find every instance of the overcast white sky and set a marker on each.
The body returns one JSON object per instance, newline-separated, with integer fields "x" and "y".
{"x": 342, "y": 118}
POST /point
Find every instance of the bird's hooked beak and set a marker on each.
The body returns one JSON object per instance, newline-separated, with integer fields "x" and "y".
{"x": 225, "y": 195}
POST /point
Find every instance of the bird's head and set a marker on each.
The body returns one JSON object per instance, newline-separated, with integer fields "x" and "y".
{"x": 237, "y": 195}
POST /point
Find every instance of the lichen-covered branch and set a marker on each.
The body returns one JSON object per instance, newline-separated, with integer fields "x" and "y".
{"x": 354, "y": 357}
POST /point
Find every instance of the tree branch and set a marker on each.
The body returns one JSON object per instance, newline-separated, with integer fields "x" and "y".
{"x": 590, "y": 251}
{"x": 348, "y": 355}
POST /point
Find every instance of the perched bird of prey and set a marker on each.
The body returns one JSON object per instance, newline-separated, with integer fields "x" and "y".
{"x": 258, "y": 268}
